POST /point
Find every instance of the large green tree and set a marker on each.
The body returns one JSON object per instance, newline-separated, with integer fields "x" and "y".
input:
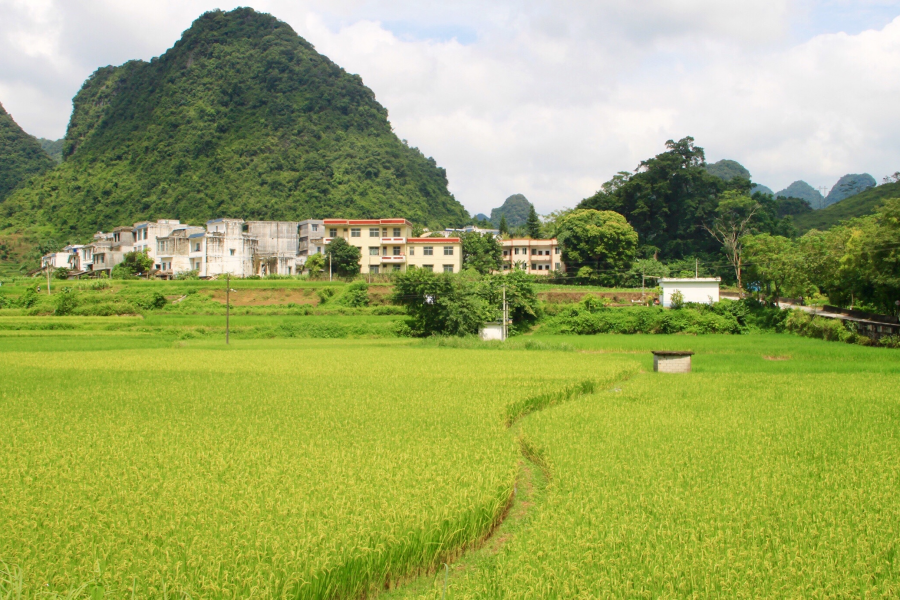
{"x": 778, "y": 265}
{"x": 733, "y": 220}
{"x": 533, "y": 225}
{"x": 343, "y": 257}
{"x": 481, "y": 252}
{"x": 598, "y": 245}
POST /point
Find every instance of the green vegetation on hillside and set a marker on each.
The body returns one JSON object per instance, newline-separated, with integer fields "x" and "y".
{"x": 240, "y": 118}
{"x": 670, "y": 198}
{"x": 515, "y": 209}
{"x": 53, "y": 148}
{"x": 804, "y": 191}
{"x": 728, "y": 169}
{"x": 859, "y": 205}
{"x": 21, "y": 156}
{"x": 849, "y": 185}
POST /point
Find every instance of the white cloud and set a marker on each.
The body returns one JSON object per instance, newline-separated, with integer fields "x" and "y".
{"x": 546, "y": 99}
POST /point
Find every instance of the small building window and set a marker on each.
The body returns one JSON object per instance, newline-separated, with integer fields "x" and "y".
{"x": 397, "y": 268}
{"x": 557, "y": 250}
{"x": 506, "y": 253}
{"x": 374, "y": 232}
{"x": 231, "y": 251}
{"x": 373, "y": 250}
{"x": 448, "y": 268}
{"x": 516, "y": 251}
{"x": 396, "y": 250}
{"x": 557, "y": 266}
{"x": 315, "y": 227}
{"x": 412, "y": 250}
{"x": 356, "y": 232}
{"x": 428, "y": 267}
{"x": 373, "y": 269}
{"x": 397, "y": 232}
{"x": 428, "y": 250}
{"x": 448, "y": 250}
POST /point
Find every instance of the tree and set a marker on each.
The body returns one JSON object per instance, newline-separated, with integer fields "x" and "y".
{"x": 503, "y": 227}
{"x": 533, "y": 224}
{"x": 481, "y": 252}
{"x": 599, "y": 245}
{"x": 778, "y": 264}
{"x": 667, "y": 199}
{"x": 344, "y": 257}
{"x": 552, "y": 222}
{"x": 733, "y": 218}
{"x": 459, "y": 304}
{"x": 315, "y": 264}
{"x": 134, "y": 264}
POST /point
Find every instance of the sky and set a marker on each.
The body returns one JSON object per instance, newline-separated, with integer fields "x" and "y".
{"x": 545, "y": 98}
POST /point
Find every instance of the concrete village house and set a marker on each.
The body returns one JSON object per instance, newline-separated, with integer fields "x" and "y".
{"x": 247, "y": 248}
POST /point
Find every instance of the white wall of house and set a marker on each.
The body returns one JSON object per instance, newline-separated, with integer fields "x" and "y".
{"x": 703, "y": 290}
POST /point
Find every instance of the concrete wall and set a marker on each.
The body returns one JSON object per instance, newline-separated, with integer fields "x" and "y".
{"x": 703, "y": 290}
{"x": 671, "y": 364}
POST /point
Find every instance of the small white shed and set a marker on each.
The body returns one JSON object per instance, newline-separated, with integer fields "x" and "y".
{"x": 491, "y": 331}
{"x": 703, "y": 290}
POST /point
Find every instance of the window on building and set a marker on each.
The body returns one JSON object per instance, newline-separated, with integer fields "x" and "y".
{"x": 373, "y": 250}
{"x": 356, "y": 232}
{"x": 318, "y": 248}
{"x": 384, "y": 251}
{"x": 557, "y": 250}
{"x": 506, "y": 253}
{"x": 396, "y": 250}
{"x": 448, "y": 250}
{"x": 231, "y": 251}
{"x": 506, "y": 267}
{"x": 412, "y": 250}
{"x": 374, "y": 232}
{"x": 428, "y": 267}
{"x": 428, "y": 250}
{"x": 397, "y": 268}
{"x": 448, "y": 268}
{"x": 397, "y": 232}
{"x": 557, "y": 266}
{"x": 384, "y": 232}
{"x": 516, "y": 251}
{"x": 534, "y": 266}
{"x": 373, "y": 269}
{"x": 332, "y": 233}
{"x": 197, "y": 247}
{"x": 315, "y": 227}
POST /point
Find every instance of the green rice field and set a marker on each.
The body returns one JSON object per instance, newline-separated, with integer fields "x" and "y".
{"x": 146, "y": 464}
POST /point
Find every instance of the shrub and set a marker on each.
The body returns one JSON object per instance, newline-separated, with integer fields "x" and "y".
{"x": 66, "y": 302}
{"x": 154, "y": 301}
{"x": 356, "y": 294}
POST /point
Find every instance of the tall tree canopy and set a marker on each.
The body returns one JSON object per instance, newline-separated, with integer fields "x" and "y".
{"x": 598, "y": 245}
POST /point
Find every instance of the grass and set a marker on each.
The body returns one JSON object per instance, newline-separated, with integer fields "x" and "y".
{"x": 271, "y": 468}
{"x": 747, "y": 478}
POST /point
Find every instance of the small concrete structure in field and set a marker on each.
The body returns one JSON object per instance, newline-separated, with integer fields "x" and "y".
{"x": 703, "y": 290}
{"x": 672, "y": 361}
{"x": 491, "y": 331}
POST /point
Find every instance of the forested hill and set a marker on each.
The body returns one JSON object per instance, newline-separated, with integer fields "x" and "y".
{"x": 21, "y": 156}
{"x": 241, "y": 118}
{"x": 859, "y": 205}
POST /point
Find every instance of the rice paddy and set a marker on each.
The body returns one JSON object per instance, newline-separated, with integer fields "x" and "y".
{"x": 140, "y": 464}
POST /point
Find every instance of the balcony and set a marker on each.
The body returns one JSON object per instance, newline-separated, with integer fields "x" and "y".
{"x": 393, "y": 240}
{"x": 396, "y": 259}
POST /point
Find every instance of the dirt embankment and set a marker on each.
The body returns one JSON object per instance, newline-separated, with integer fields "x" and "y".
{"x": 567, "y": 297}
{"x": 268, "y": 297}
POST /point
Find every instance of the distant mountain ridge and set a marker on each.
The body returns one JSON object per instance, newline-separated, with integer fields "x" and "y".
{"x": 849, "y": 185}
{"x": 858, "y": 205}
{"x": 728, "y": 169}
{"x": 804, "y": 191}
{"x": 515, "y": 209}
{"x": 240, "y": 118}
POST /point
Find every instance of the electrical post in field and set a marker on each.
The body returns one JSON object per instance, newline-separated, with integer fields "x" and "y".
{"x": 505, "y": 328}
{"x": 227, "y": 308}
{"x": 48, "y": 278}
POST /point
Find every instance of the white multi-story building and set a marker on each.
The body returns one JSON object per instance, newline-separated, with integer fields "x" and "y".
{"x": 147, "y": 232}
{"x": 387, "y": 245}
{"x": 539, "y": 257}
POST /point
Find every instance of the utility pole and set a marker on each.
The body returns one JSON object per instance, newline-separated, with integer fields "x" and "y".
{"x": 696, "y": 268}
{"x": 642, "y": 286}
{"x": 48, "y": 278}
{"x": 329, "y": 266}
{"x": 822, "y": 190}
{"x": 227, "y": 308}
{"x": 505, "y": 316}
